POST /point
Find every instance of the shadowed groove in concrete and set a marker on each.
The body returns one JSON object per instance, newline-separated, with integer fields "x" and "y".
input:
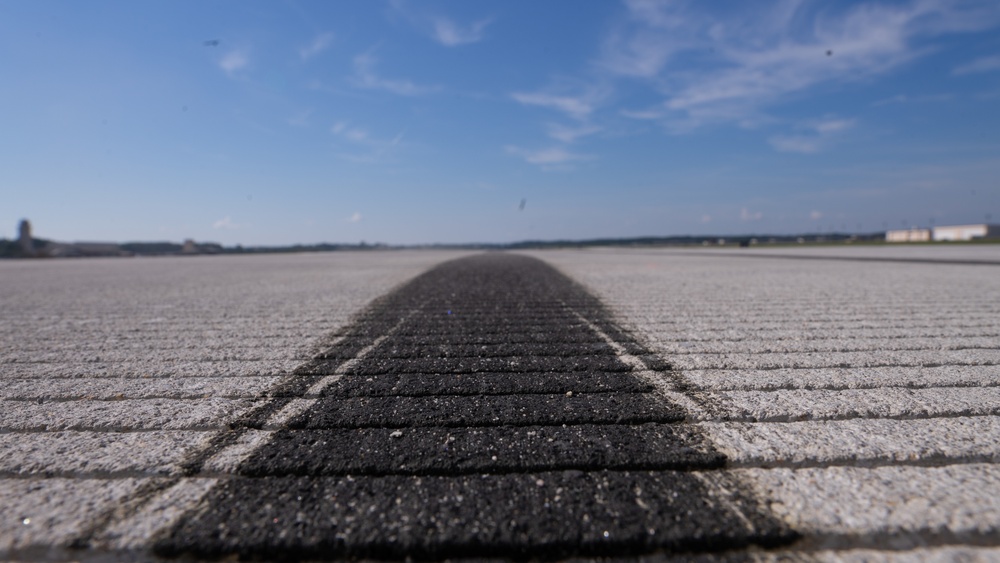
{"x": 522, "y": 456}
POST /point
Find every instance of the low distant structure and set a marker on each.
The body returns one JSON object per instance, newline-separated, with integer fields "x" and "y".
{"x": 24, "y": 238}
{"x": 967, "y": 232}
{"x": 947, "y": 233}
{"x": 908, "y": 235}
{"x": 83, "y": 249}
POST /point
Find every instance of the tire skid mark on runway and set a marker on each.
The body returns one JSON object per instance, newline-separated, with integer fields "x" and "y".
{"x": 104, "y": 531}
{"x": 369, "y": 471}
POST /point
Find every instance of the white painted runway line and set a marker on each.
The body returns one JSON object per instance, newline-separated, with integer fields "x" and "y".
{"x": 859, "y": 399}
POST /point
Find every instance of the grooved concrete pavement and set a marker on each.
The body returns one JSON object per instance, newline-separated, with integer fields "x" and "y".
{"x": 858, "y": 398}
{"x": 855, "y": 401}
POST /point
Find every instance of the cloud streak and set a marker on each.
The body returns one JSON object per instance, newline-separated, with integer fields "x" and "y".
{"x": 452, "y": 34}
{"x": 234, "y": 61}
{"x": 571, "y": 134}
{"x": 730, "y": 67}
{"x": 321, "y": 43}
{"x": 225, "y": 223}
{"x": 374, "y": 149}
{"x": 576, "y": 107}
{"x": 980, "y": 65}
{"x": 366, "y": 77}
{"x": 440, "y": 28}
{"x": 548, "y": 157}
{"x": 813, "y": 136}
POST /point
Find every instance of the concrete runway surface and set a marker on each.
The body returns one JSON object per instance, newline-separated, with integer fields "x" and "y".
{"x": 814, "y": 404}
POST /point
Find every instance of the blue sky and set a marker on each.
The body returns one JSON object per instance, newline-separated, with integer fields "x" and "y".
{"x": 414, "y": 122}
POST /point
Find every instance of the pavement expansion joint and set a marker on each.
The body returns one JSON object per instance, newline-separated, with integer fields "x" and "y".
{"x": 488, "y": 408}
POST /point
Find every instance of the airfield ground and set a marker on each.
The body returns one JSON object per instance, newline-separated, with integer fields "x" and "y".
{"x": 827, "y": 403}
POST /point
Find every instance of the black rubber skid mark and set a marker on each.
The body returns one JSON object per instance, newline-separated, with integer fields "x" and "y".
{"x": 498, "y": 449}
{"x": 491, "y": 421}
{"x": 537, "y": 515}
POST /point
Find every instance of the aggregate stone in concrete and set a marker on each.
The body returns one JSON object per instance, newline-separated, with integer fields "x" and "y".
{"x": 513, "y": 515}
{"x": 845, "y": 378}
{"x": 126, "y": 414}
{"x": 576, "y": 334}
{"x": 954, "y": 503}
{"x": 946, "y": 554}
{"x": 488, "y": 410}
{"x": 863, "y": 442}
{"x": 826, "y": 345}
{"x": 891, "y": 402}
{"x": 488, "y": 365}
{"x": 861, "y": 359}
{"x": 37, "y": 517}
{"x": 41, "y": 390}
{"x": 496, "y": 350}
{"x": 489, "y": 384}
{"x": 101, "y": 454}
{"x": 150, "y": 368}
{"x": 442, "y": 451}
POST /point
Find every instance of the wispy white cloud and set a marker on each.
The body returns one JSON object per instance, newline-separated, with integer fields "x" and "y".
{"x": 982, "y": 64}
{"x": 366, "y": 77}
{"x": 234, "y": 61}
{"x": 300, "y": 119}
{"x": 905, "y": 99}
{"x": 812, "y": 137}
{"x": 713, "y": 68}
{"x": 832, "y": 125}
{"x": 795, "y": 143}
{"x": 747, "y": 215}
{"x": 319, "y": 44}
{"x": 577, "y": 107}
{"x": 642, "y": 114}
{"x": 815, "y": 215}
{"x": 548, "y": 157}
{"x": 373, "y": 149}
{"x": 355, "y": 218}
{"x": 225, "y": 223}
{"x": 441, "y": 28}
{"x": 353, "y": 134}
{"x": 452, "y": 34}
{"x": 570, "y": 134}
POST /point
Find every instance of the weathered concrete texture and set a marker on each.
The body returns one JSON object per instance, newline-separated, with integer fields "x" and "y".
{"x": 950, "y": 554}
{"x": 128, "y": 414}
{"x": 861, "y": 442}
{"x": 85, "y": 453}
{"x": 845, "y": 378}
{"x": 41, "y": 390}
{"x": 149, "y": 368}
{"x": 888, "y": 402}
{"x": 855, "y": 400}
{"x": 874, "y": 506}
{"x": 37, "y": 516}
{"x": 114, "y": 370}
{"x": 859, "y": 397}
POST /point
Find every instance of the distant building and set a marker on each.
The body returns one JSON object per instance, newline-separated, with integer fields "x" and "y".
{"x": 966, "y": 232}
{"x": 947, "y": 233}
{"x": 24, "y": 238}
{"x": 908, "y": 235}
